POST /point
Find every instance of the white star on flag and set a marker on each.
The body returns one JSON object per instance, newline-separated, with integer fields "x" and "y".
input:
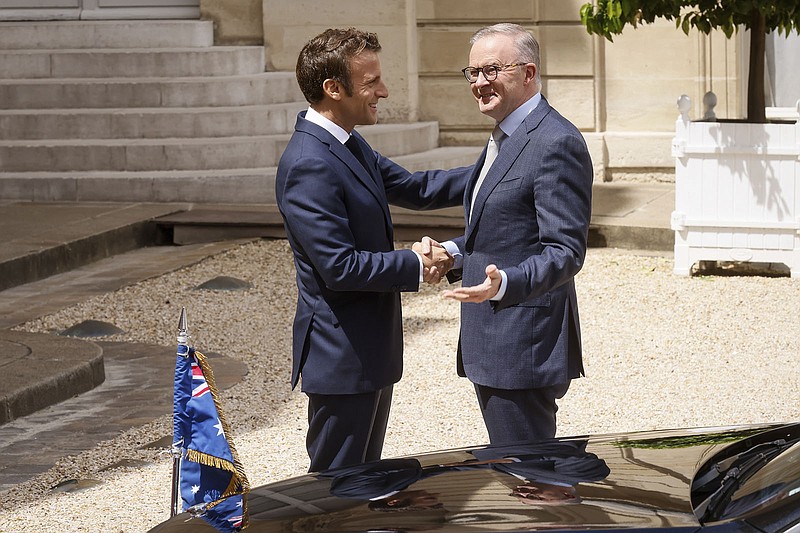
{"x": 195, "y": 488}
{"x": 218, "y": 425}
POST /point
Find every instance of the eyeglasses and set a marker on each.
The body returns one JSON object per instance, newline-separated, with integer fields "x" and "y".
{"x": 489, "y": 71}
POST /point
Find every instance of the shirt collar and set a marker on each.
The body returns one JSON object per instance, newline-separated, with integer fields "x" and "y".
{"x": 328, "y": 125}
{"x": 512, "y": 121}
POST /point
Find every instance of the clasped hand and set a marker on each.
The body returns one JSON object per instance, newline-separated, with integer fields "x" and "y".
{"x": 436, "y": 261}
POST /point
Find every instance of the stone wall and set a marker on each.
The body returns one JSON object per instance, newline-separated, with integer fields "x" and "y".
{"x": 622, "y": 95}
{"x": 444, "y": 28}
{"x": 236, "y": 22}
{"x": 289, "y": 24}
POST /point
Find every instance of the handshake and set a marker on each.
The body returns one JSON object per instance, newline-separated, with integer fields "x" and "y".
{"x": 436, "y": 261}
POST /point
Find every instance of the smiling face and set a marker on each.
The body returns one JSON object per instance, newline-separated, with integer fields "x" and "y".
{"x": 361, "y": 106}
{"x": 513, "y": 86}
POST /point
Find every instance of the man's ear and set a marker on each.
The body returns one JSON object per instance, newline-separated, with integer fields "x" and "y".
{"x": 530, "y": 72}
{"x": 332, "y": 88}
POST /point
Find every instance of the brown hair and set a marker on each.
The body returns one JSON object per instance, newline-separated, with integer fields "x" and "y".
{"x": 327, "y": 56}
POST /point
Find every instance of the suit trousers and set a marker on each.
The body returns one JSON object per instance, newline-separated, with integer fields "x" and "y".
{"x": 346, "y": 429}
{"x": 513, "y": 416}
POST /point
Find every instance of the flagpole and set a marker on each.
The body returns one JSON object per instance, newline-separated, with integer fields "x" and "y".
{"x": 177, "y": 447}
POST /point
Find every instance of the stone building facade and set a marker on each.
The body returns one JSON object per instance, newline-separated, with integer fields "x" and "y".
{"x": 622, "y": 95}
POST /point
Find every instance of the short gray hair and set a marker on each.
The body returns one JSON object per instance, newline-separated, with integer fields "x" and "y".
{"x": 526, "y": 44}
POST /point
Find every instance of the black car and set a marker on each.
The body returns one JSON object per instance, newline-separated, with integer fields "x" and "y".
{"x": 725, "y": 479}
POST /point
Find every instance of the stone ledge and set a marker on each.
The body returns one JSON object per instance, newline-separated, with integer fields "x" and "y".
{"x": 39, "y": 370}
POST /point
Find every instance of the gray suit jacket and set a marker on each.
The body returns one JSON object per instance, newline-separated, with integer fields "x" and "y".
{"x": 531, "y": 218}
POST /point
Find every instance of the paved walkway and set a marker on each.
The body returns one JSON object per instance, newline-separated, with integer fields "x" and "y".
{"x": 56, "y": 255}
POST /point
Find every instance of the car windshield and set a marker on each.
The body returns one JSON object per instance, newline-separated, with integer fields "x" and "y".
{"x": 772, "y": 484}
{"x": 754, "y": 474}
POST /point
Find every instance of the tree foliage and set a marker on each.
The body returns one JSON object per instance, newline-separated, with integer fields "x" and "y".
{"x": 609, "y": 18}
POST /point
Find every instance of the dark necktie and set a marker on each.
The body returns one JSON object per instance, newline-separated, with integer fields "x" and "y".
{"x": 352, "y": 145}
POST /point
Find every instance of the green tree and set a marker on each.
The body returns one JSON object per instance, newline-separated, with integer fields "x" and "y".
{"x": 609, "y": 17}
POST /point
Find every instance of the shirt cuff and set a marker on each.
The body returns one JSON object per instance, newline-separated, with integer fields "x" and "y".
{"x": 453, "y": 250}
{"x": 503, "y": 286}
{"x": 421, "y": 266}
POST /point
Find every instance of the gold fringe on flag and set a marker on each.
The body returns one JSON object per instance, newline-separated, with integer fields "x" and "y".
{"x": 239, "y": 483}
{"x": 209, "y": 460}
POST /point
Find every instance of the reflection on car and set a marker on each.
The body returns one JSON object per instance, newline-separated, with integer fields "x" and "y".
{"x": 742, "y": 478}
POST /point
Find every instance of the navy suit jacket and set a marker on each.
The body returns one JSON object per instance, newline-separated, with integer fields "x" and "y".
{"x": 348, "y": 332}
{"x": 531, "y": 218}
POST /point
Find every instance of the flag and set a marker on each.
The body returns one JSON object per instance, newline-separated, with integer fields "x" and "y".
{"x": 212, "y": 484}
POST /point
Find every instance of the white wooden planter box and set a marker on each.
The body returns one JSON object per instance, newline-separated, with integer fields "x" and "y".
{"x": 737, "y": 192}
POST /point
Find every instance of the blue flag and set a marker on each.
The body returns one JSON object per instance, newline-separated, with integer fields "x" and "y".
{"x": 213, "y": 484}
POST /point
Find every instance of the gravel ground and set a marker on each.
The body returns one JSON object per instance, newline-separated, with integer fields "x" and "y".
{"x": 659, "y": 351}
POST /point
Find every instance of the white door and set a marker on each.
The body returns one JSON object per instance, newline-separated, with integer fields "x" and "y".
{"x": 98, "y": 9}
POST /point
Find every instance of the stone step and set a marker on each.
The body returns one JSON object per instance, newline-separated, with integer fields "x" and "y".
{"x": 74, "y": 235}
{"x": 249, "y": 89}
{"x": 256, "y": 151}
{"x": 201, "y": 186}
{"x": 246, "y": 185}
{"x": 393, "y": 140}
{"x": 71, "y": 34}
{"x": 74, "y": 366}
{"x": 141, "y": 154}
{"x": 220, "y": 222}
{"x": 442, "y": 157}
{"x": 134, "y": 123}
{"x": 132, "y": 62}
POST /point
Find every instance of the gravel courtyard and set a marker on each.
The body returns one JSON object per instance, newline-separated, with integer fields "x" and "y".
{"x": 659, "y": 350}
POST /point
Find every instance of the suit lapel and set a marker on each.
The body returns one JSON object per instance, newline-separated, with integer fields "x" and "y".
{"x": 371, "y": 179}
{"x": 344, "y": 155}
{"x": 471, "y": 182}
{"x": 509, "y": 152}
{"x": 367, "y": 178}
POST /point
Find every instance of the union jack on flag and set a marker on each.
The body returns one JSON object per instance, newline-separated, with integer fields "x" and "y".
{"x": 212, "y": 481}
{"x": 199, "y": 383}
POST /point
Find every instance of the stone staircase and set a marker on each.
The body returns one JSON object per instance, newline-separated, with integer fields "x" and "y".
{"x": 150, "y": 111}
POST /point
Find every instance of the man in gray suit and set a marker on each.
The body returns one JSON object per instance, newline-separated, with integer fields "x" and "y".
{"x": 527, "y": 221}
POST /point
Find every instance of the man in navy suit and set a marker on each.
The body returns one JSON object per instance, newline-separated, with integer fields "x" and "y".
{"x": 527, "y": 221}
{"x": 333, "y": 192}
